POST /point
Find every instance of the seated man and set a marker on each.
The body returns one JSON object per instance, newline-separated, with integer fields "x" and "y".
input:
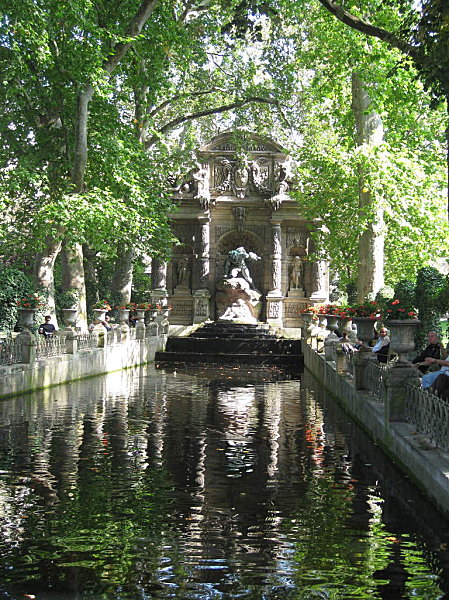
{"x": 382, "y": 346}
{"x": 47, "y": 329}
{"x": 434, "y": 349}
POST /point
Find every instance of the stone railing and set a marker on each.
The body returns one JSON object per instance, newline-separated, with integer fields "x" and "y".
{"x": 376, "y": 376}
{"x": 26, "y": 348}
{"x": 50, "y": 346}
{"x": 87, "y": 341}
{"x": 10, "y": 352}
{"x": 411, "y": 424}
{"x": 428, "y": 414}
{"x": 395, "y": 385}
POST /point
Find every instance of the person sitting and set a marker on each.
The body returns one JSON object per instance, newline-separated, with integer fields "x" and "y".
{"x": 382, "y": 346}
{"x": 47, "y": 329}
{"x": 428, "y": 379}
{"x": 106, "y": 324}
{"x": 434, "y": 349}
{"x": 441, "y": 386}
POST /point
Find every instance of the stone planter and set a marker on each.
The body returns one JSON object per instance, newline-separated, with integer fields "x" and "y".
{"x": 402, "y": 336}
{"x": 99, "y": 314}
{"x": 321, "y": 329}
{"x": 70, "y": 316}
{"x": 140, "y": 315}
{"x": 332, "y": 323}
{"x": 365, "y": 329}
{"x": 344, "y": 326}
{"x": 308, "y": 320}
{"x": 123, "y": 315}
{"x": 26, "y": 317}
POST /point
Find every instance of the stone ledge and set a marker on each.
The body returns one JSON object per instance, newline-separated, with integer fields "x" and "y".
{"x": 425, "y": 465}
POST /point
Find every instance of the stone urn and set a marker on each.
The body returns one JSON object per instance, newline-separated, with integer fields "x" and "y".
{"x": 402, "y": 336}
{"x": 123, "y": 317}
{"x": 365, "y": 329}
{"x": 99, "y": 313}
{"x": 69, "y": 316}
{"x": 140, "y": 315}
{"x": 332, "y": 323}
{"x": 321, "y": 329}
{"x": 308, "y": 320}
{"x": 344, "y": 327}
{"x": 26, "y": 317}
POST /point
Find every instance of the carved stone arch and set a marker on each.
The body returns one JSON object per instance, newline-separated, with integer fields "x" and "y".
{"x": 251, "y": 242}
{"x": 297, "y": 251}
{"x": 225, "y": 142}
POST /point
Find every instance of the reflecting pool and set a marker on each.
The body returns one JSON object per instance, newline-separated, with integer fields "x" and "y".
{"x": 206, "y": 484}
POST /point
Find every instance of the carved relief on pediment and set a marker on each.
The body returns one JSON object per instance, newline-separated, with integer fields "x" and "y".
{"x": 230, "y": 177}
{"x": 298, "y": 237}
{"x": 250, "y": 147}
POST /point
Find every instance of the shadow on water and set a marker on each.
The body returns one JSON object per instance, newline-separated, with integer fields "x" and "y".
{"x": 206, "y": 484}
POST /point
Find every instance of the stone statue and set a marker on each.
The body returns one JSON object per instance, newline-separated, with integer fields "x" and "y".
{"x": 235, "y": 264}
{"x": 201, "y": 185}
{"x": 183, "y": 271}
{"x": 239, "y": 216}
{"x": 296, "y": 271}
{"x": 281, "y": 174}
{"x": 238, "y": 311}
{"x": 240, "y": 180}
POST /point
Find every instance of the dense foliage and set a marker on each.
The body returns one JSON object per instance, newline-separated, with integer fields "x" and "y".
{"x": 14, "y": 286}
{"x": 98, "y": 114}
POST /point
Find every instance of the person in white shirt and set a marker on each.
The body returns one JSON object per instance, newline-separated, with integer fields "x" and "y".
{"x": 382, "y": 346}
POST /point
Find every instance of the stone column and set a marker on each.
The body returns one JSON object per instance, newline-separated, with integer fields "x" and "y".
{"x": 274, "y": 296}
{"x": 28, "y": 341}
{"x": 203, "y": 247}
{"x": 319, "y": 291}
{"x": 71, "y": 341}
{"x": 395, "y": 388}
{"x": 276, "y": 258}
{"x": 159, "y": 274}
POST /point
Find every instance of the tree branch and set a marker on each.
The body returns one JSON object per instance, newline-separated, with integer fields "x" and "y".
{"x": 352, "y": 21}
{"x": 210, "y": 111}
{"x": 118, "y": 52}
{"x": 186, "y": 95}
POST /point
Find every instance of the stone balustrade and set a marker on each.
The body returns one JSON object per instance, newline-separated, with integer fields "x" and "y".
{"x": 386, "y": 400}
{"x": 31, "y": 362}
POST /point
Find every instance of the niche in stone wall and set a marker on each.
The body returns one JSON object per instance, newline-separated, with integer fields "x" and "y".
{"x": 181, "y": 267}
{"x": 296, "y": 267}
{"x": 251, "y": 243}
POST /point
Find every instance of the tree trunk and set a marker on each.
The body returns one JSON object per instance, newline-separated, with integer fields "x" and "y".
{"x": 90, "y": 274}
{"x": 123, "y": 275}
{"x": 369, "y": 130}
{"x": 73, "y": 277}
{"x": 43, "y": 272}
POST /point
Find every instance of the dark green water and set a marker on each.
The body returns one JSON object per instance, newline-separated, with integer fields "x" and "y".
{"x": 206, "y": 485}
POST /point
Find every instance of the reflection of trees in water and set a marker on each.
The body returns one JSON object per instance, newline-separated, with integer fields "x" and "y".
{"x": 252, "y": 482}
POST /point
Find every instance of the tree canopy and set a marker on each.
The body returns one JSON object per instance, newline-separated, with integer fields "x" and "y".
{"x": 103, "y": 102}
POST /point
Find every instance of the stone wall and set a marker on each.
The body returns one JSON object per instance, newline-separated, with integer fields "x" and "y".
{"x": 40, "y": 373}
{"x": 427, "y": 466}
